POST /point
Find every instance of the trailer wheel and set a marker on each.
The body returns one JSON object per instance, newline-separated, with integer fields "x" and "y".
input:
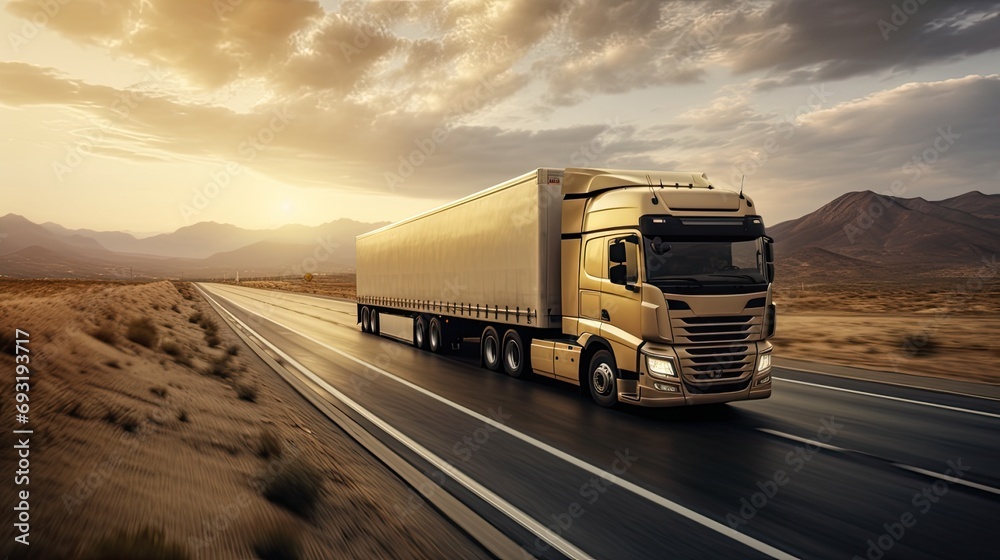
{"x": 435, "y": 336}
{"x": 373, "y": 322}
{"x": 366, "y": 325}
{"x": 420, "y": 332}
{"x": 515, "y": 359}
{"x": 602, "y": 379}
{"x": 489, "y": 349}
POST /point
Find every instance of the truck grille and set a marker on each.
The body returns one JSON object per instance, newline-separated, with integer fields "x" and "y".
{"x": 711, "y": 364}
{"x": 713, "y": 330}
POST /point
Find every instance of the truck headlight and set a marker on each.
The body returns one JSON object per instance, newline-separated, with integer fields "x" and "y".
{"x": 764, "y": 362}
{"x": 660, "y": 367}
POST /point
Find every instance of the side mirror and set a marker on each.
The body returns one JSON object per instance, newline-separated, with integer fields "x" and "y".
{"x": 616, "y": 253}
{"x": 769, "y": 258}
{"x": 617, "y": 274}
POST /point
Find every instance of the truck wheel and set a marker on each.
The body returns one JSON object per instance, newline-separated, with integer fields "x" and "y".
{"x": 366, "y": 326}
{"x": 515, "y": 359}
{"x": 602, "y": 379}
{"x": 420, "y": 332}
{"x": 435, "y": 336}
{"x": 373, "y": 322}
{"x": 489, "y": 349}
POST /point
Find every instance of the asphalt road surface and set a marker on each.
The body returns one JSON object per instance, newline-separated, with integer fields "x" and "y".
{"x": 825, "y": 468}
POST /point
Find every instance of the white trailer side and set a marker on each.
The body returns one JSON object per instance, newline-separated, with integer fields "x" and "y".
{"x": 492, "y": 256}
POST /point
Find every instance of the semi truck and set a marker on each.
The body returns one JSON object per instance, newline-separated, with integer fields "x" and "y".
{"x": 643, "y": 287}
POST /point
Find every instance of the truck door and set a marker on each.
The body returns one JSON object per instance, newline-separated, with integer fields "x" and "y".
{"x": 621, "y": 299}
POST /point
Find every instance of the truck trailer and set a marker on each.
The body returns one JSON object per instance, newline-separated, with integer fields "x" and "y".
{"x": 643, "y": 287}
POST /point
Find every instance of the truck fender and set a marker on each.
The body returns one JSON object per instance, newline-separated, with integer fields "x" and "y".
{"x": 591, "y": 343}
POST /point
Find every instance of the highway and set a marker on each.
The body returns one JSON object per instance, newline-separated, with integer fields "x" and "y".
{"x": 825, "y": 468}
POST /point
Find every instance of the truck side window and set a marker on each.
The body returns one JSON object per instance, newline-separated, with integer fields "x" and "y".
{"x": 593, "y": 260}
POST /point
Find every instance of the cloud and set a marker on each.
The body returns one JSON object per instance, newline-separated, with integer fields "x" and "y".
{"x": 353, "y": 149}
{"x": 932, "y": 139}
{"x": 796, "y": 41}
{"x": 422, "y": 56}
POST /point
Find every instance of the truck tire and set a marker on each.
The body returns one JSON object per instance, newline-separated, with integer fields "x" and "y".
{"x": 602, "y": 379}
{"x": 514, "y": 355}
{"x": 366, "y": 325}
{"x": 489, "y": 349}
{"x": 420, "y": 332}
{"x": 435, "y": 336}
{"x": 373, "y": 321}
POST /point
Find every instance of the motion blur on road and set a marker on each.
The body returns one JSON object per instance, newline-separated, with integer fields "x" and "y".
{"x": 828, "y": 467}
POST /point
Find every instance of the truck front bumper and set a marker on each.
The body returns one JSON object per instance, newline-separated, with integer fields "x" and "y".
{"x": 681, "y": 389}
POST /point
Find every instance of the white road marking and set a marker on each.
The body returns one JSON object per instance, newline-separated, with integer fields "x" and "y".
{"x": 951, "y": 479}
{"x": 526, "y": 521}
{"x": 579, "y": 463}
{"x": 918, "y": 470}
{"x": 883, "y": 382}
{"x": 801, "y": 439}
{"x": 899, "y": 399}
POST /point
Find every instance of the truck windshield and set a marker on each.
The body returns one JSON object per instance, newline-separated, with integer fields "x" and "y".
{"x": 704, "y": 262}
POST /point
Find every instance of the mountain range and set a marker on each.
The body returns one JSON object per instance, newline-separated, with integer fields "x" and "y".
{"x": 865, "y": 234}
{"x": 858, "y": 235}
{"x": 202, "y": 250}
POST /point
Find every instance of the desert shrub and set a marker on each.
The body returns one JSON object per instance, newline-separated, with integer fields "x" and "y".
{"x": 129, "y": 421}
{"x": 270, "y": 444}
{"x": 297, "y": 487}
{"x": 220, "y": 367}
{"x": 106, "y": 333}
{"x": 113, "y": 364}
{"x": 279, "y": 544}
{"x": 171, "y": 348}
{"x": 125, "y": 419}
{"x": 213, "y": 340}
{"x": 182, "y": 415}
{"x": 7, "y": 341}
{"x": 159, "y": 391}
{"x": 146, "y": 543}
{"x": 208, "y": 324}
{"x": 246, "y": 391}
{"x": 175, "y": 308}
{"x": 183, "y": 359}
{"x": 233, "y": 350}
{"x": 142, "y": 331}
{"x": 195, "y": 317}
{"x": 918, "y": 345}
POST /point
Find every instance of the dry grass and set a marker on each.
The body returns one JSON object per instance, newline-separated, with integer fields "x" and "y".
{"x": 124, "y": 457}
{"x": 936, "y": 327}
{"x": 146, "y": 543}
{"x": 335, "y": 285}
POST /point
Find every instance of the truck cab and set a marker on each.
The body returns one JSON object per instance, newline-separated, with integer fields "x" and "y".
{"x": 666, "y": 289}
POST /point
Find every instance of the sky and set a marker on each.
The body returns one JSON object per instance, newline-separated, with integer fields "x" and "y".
{"x": 150, "y": 115}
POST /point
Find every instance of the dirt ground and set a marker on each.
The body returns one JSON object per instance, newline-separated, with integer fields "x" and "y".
{"x": 159, "y": 434}
{"x": 336, "y": 285}
{"x": 941, "y": 327}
